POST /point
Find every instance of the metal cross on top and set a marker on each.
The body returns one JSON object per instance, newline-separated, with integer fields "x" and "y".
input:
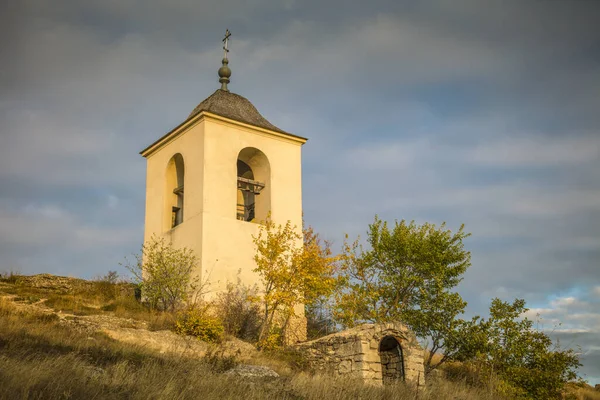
{"x": 226, "y": 42}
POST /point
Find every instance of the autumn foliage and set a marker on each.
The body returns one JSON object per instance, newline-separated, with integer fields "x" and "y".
{"x": 295, "y": 269}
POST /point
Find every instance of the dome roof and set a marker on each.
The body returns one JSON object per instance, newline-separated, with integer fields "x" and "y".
{"x": 233, "y": 106}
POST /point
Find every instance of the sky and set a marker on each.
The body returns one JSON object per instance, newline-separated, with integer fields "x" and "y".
{"x": 482, "y": 113}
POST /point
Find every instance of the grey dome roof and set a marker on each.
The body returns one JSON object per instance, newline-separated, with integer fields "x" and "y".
{"x": 233, "y": 106}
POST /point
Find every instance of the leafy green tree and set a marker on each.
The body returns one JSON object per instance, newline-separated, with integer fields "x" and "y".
{"x": 407, "y": 274}
{"x": 438, "y": 323}
{"x": 529, "y": 364}
{"x": 164, "y": 274}
{"x": 295, "y": 269}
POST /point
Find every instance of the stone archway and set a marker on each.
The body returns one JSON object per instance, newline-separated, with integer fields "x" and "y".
{"x": 377, "y": 353}
{"x": 392, "y": 360}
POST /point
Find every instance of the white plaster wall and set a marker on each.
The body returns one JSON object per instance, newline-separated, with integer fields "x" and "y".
{"x": 190, "y": 144}
{"x": 227, "y": 242}
{"x": 210, "y": 149}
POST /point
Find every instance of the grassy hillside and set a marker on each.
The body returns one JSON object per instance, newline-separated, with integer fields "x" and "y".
{"x": 44, "y": 355}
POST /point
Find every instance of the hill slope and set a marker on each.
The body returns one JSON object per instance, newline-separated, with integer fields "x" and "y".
{"x": 68, "y": 338}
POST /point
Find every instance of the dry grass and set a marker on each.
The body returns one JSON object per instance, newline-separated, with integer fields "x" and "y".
{"x": 41, "y": 357}
{"x": 582, "y": 391}
{"x": 80, "y": 297}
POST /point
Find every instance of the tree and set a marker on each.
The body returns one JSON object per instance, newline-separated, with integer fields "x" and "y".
{"x": 438, "y": 323}
{"x": 526, "y": 360}
{"x": 295, "y": 270}
{"x": 164, "y": 274}
{"x": 407, "y": 274}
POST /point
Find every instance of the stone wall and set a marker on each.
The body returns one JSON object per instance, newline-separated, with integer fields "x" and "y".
{"x": 356, "y": 353}
{"x": 391, "y": 366}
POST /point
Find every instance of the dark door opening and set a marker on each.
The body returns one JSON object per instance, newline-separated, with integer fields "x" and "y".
{"x": 392, "y": 360}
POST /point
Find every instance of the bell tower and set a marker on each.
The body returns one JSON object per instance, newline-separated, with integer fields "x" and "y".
{"x": 212, "y": 179}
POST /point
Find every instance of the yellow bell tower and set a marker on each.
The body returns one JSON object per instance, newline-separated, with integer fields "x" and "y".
{"x": 213, "y": 179}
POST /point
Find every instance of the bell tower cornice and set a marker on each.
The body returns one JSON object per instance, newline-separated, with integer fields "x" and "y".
{"x": 205, "y": 115}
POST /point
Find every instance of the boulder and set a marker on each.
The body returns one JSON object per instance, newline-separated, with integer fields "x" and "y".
{"x": 252, "y": 371}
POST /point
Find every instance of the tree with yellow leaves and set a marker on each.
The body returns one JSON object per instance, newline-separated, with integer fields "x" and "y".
{"x": 295, "y": 269}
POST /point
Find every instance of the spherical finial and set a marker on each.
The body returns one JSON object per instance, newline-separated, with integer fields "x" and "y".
{"x": 224, "y": 71}
{"x": 224, "y": 75}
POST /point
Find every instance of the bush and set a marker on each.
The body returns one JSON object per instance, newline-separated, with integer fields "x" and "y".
{"x": 239, "y": 311}
{"x": 273, "y": 340}
{"x": 164, "y": 274}
{"x": 107, "y": 286}
{"x": 218, "y": 362}
{"x": 199, "y": 323}
{"x": 526, "y": 362}
{"x": 10, "y": 277}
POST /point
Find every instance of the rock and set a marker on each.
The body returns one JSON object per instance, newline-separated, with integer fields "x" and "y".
{"x": 345, "y": 366}
{"x": 236, "y": 347}
{"x": 252, "y": 371}
{"x": 93, "y": 372}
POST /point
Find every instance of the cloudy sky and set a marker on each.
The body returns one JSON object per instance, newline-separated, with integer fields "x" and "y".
{"x": 457, "y": 111}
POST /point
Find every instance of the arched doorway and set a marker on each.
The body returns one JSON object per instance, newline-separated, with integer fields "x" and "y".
{"x": 392, "y": 360}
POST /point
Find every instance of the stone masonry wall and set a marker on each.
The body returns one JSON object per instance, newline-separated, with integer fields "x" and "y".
{"x": 355, "y": 353}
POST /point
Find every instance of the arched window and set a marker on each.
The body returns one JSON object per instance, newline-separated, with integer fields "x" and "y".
{"x": 253, "y": 185}
{"x": 392, "y": 360}
{"x": 174, "y": 191}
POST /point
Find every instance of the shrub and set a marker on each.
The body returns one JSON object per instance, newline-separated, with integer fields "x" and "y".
{"x": 107, "y": 286}
{"x": 10, "y": 277}
{"x": 218, "y": 362}
{"x": 526, "y": 361}
{"x": 199, "y": 323}
{"x": 164, "y": 274}
{"x": 272, "y": 340}
{"x": 239, "y": 311}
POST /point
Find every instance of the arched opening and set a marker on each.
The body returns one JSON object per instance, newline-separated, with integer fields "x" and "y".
{"x": 253, "y": 185}
{"x": 392, "y": 360}
{"x": 174, "y": 191}
{"x": 247, "y": 192}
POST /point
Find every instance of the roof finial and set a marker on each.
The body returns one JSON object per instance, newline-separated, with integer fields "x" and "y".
{"x": 224, "y": 71}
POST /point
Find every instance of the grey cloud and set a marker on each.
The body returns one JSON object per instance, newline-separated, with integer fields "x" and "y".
{"x": 529, "y": 150}
{"x": 42, "y": 238}
{"x": 40, "y": 149}
{"x": 458, "y": 111}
